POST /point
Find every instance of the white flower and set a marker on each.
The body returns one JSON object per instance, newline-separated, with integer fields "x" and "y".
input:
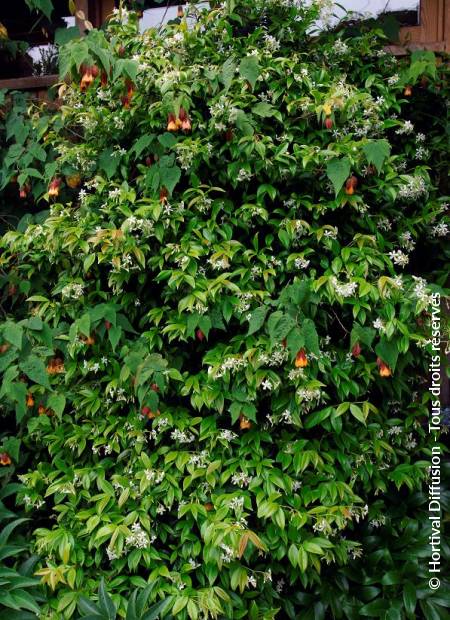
{"x": 251, "y": 581}
{"x": 241, "y": 479}
{"x": 393, "y": 79}
{"x": 243, "y": 175}
{"x": 227, "y": 435}
{"x": 440, "y": 230}
{"x": 267, "y": 385}
{"x": 340, "y": 47}
{"x": 399, "y": 258}
{"x": 378, "y": 324}
{"x": 301, "y": 263}
{"x": 406, "y": 128}
{"x": 344, "y": 290}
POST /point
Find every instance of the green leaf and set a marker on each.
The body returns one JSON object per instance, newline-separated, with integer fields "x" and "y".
{"x": 409, "y": 598}
{"x": 258, "y": 316}
{"x": 227, "y": 72}
{"x": 317, "y": 417}
{"x": 105, "y": 602}
{"x": 170, "y": 177}
{"x": 35, "y": 370}
{"x": 388, "y": 352}
{"x": 263, "y": 109}
{"x": 114, "y": 334}
{"x": 109, "y": 162}
{"x": 57, "y": 403}
{"x": 309, "y": 333}
{"x": 84, "y": 324}
{"x": 338, "y": 171}
{"x": 376, "y": 152}
{"x": 45, "y": 6}
{"x": 167, "y": 140}
{"x": 12, "y": 446}
{"x": 357, "y": 413}
{"x": 155, "y": 610}
{"x": 141, "y": 144}
{"x": 363, "y": 335}
{"x": 64, "y": 35}
{"x": 13, "y": 333}
{"x": 249, "y": 69}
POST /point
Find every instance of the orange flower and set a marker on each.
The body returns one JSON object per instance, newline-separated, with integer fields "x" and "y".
{"x": 350, "y": 185}
{"x": 301, "y": 361}
{"x": 4, "y": 347}
{"x": 208, "y": 506}
{"x": 184, "y": 119}
{"x": 172, "y": 123}
{"x": 180, "y": 12}
{"x": 73, "y": 180}
{"x": 148, "y": 413}
{"x": 24, "y": 191}
{"x": 383, "y": 368}
{"x": 53, "y": 188}
{"x": 42, "y": 410}
{"x": 244, "y": 423}
{"x": 163, "y": 195}
{"x": 30, "y": 401}
{"x": 86, "y": 79}
{"x": 5, "y": 459}
{"x": 55, "y": 366}
{"x": 88, "y": 340}
{"x": 408, "y": 91}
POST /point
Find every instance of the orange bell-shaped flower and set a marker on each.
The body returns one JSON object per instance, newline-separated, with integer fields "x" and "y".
{"x": 301, "y": 360}
{"x": 383, "y": 368}
{"x": 5, "y": 459}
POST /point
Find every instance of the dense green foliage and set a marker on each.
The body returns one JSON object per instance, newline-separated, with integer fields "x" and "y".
{"x": 216, "y": 338}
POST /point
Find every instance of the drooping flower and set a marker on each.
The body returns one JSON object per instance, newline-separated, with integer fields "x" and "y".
{"x": 383, "y": 368}
{"x": 301, "y": 360}
{"x": 350, "y": 185}
{"x": 356, "y": 350}
{"x": 53, "y": 188}
{"x": 5, "y": 459}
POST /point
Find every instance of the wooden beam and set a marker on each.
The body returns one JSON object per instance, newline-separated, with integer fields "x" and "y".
{"x": 32, "y": 82}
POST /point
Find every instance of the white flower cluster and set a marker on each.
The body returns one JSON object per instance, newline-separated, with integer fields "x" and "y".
{"x": 228, "y": 553}
{"x": 232, "y": 364}
{"x": 406, "y": 241}
{"x": 241, "y": 479}
{"x": 420, "y": 290}
{"x": 155, "y": 476}
{"x": 227, "y": 435}
{"x": 301, "y": 263}
{"x": 182, "y": 436}
{"x": 278, "y": 357}
{"x": 139, "y": 539}
{"x": 73, "y": 290}
{"x": 440, "y": 230}
{"x": 378, "y": 522}
{"x": 296, "y": 373}
{"x": 340, "y": 47}
{"x": 236, "y": 503}
{"x": 244, "y": 302}
{"x": 272, "y": 44}
{"x": 413, "y": 188}
{"x": 243, "y": 175}
{"x": 200, "y": 459}
{"x": 406, "y": 128}
{"x": 344, "y": 290}
{"x": 135, "y": 224}
{"x": 399, "y": 258}
{"x": 309, "y": 394}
